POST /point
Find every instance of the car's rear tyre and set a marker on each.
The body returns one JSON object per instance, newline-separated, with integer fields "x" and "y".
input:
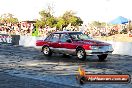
{"x": 81, "y": 54}
{"x": 46, "y": 51}
{"x": 102, "y": 57}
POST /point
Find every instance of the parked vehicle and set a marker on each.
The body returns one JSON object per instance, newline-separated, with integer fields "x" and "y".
{"x": 74, "y": 43}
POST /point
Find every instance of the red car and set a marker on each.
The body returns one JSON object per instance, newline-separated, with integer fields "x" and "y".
{"x": 74, "y": 43}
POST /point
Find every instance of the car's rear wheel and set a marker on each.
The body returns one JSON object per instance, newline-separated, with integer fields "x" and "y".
{"x": 46, "y": 51}
{"x": 81, "y": 54}
{"x": 102, "y": 57}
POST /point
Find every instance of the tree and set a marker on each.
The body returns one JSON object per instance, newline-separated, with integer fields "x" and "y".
{"x": 8, "y": 18}
{"x": 60, "y": 23}
{"x": 78, "y": 22}
{"x": 69, "y": 17}
{"x": 47, "y": 17}
{"x": 40, "y": 23}
{"x": 98, "y": 24}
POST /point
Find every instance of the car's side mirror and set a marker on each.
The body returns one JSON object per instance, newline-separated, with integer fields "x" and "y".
{"x": 68, "y": 40}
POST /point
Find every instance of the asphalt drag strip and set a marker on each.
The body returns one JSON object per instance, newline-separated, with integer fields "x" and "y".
{"x": 28, "y": 62}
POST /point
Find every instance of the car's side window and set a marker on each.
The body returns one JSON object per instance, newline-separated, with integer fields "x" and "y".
{"x": 48, "y": 38}
{"x": 64, "y": 37}
{"x": 54, "y": 38}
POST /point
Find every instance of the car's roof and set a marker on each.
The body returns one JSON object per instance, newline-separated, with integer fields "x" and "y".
{"x": 67, "y": 32}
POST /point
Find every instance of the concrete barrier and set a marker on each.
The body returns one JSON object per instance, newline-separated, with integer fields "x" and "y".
{"x": 122, "y": 48}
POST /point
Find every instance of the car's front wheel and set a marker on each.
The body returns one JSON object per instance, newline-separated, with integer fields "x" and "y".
{"x": 81, "y": 54}
{"x": 46, "y": 51}
{"x": 102, "y": 57}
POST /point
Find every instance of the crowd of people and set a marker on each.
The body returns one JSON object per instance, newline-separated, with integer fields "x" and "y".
{"x": 104, "y": 31}
{"x": 16, "y": 29}
{"x": 25, "y": 29}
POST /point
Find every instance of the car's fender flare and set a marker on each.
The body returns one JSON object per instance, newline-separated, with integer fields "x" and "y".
{"x": 78, "y": 47}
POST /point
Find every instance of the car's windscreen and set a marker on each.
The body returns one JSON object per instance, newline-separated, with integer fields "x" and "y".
{"x": 79, "y": 36}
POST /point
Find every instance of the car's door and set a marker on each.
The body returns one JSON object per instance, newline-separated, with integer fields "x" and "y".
{"x": 65, "y": 46}
{"x": 53, "y": 42}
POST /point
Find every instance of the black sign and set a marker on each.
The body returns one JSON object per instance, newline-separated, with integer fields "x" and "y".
{"x": 9, "y": 39}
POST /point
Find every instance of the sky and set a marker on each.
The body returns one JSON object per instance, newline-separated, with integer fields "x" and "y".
{"x": 88, "y": 10}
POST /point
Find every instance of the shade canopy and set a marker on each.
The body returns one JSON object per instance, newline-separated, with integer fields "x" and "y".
{"x": 119, "y": 20}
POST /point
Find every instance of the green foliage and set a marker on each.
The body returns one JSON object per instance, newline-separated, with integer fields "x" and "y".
{"x": 12, "y": 20}
{"x": 8, "y": 18}
{"x": 77, "y": 22}
{"x": 40, "y": 23}
{"x": 69, "y": 17}
{"x": 51, "y": 21}
{"x": 47, "y": 18}
{"x": 98, "y": 24}
{"x": 60, "y": 22}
